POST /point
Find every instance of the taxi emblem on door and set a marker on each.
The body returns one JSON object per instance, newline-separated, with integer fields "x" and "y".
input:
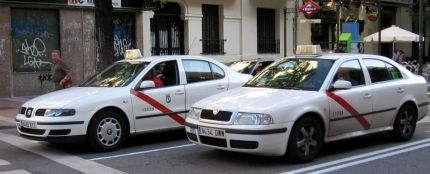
{"x": 168, "y": 99}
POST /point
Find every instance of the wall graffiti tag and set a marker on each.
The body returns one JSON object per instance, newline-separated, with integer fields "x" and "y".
{"x": 34, "y": 53}
{"x": 124, "y": 34}
{"x": 34, "y": 36}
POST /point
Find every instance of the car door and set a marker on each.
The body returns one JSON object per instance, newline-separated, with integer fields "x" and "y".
{"x": 160, "y": 107}
{"x": 204, "y": 78}
{"x": 387, "y": 86}
{"x": 348, "y": 107}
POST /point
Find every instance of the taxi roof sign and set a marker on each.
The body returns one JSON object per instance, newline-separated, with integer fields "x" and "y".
{"x": 132, "y": 54}
{"x": 308, "y": 50}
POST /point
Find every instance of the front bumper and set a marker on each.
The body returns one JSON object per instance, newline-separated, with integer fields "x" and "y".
{"x": 61, "y": 129}
{"x": 268, "y": 140}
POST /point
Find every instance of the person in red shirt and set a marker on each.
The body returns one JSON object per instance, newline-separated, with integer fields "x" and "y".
{"x": 155, "y": 78}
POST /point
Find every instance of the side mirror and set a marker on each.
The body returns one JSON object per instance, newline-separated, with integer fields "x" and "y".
{"x": 147, "y": 84}
{"x": 341, "y": 84}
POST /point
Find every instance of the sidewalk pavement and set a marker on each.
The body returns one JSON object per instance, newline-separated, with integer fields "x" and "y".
{"x": 9, "y": 107}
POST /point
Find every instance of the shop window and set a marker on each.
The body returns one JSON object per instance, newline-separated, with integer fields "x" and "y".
{"x": 211, "y": 42}
{"x": 266, "y": 31}
{"x": 35, "y": 34}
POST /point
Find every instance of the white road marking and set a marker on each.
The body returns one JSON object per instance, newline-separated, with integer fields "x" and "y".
{"x": 314, "y": 167}
{"x": 370, "y": 159}
{"x": 16, "y": 172}
{"x": 75, "y": 162}
{"x": 142, "y": 152}
{"x": 3, "y": 162}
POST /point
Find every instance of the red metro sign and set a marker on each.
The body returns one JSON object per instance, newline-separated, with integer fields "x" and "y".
{"x": 310, "y": 8}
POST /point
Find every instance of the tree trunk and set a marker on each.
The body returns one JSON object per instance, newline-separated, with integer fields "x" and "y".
{"x": 104, "y": 31}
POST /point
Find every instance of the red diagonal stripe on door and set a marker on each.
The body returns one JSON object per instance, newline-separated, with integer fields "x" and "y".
{"x": 158, "y": 105}
{"x": 350, "y": 109}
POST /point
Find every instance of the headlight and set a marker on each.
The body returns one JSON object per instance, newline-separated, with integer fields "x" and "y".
{"x": 194, "y": 113}
{"x": 59, "y": 112}
{"x": 253, "y": 119}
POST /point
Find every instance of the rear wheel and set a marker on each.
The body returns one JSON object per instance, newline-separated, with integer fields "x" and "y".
{"x": 305, "y": 140}
{"x": 405, "y": 123}
{"x": 107, "y": 131}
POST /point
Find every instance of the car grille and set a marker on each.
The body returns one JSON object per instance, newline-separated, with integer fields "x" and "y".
{"x": 239, "y": 144}
{"x": 40, "y": 112}
{"x": 59, "y": 132}
{"x": 28, "y": 112}
{"x": 32, "y": 131}
{"x": 192, "y": 136}
{"x": 213, "y": 141}
{"x": 22, "y": 110}
{"x": 220, "y": 116}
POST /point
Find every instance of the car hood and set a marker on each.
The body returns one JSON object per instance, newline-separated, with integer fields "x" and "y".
{"x": 61, "y": 98}
{"x": 248, "y": 99}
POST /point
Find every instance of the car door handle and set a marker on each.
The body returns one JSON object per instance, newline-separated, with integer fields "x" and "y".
{"x": 400, "y": 90}
{"x": 220, "y": 87}
{"x": 367, "y": 96}
{"x": 179, "y": 92}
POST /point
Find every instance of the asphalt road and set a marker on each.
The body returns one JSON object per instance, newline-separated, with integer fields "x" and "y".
{"x": 170, "y": 152}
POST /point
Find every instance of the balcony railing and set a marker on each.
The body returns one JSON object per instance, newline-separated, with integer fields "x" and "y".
{"x": 268, "y": 46}
{"x": 213, "y": 46}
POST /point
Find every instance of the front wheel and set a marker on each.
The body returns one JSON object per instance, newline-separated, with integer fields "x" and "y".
{"x": 405, "y": 123}
{"x": 107, "y": 131}
{"x": 305, "y": 140}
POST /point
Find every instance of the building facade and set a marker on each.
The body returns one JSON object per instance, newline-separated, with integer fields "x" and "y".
{"x": 226, "y": 30}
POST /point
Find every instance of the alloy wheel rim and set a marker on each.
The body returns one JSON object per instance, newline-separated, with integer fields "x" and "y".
{"x": 306, "y": 140}
{"x": 406, "y": 122}
{"x": 109, "y": 131}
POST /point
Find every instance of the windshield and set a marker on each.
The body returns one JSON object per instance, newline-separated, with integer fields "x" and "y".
{"x": 294, "y": 73}
{"x": 117, "y": 75}
{"x": 244, "y": 67}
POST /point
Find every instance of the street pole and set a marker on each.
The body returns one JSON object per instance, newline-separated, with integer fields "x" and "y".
{"x": 420, "y": 28}
{"x": 379, "y": 27}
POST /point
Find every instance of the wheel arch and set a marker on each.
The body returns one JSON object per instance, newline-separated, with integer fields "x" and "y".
{"x": 116, "y": 110}
{"x": 318, "y": 117}
{"x": 411, "y": 103}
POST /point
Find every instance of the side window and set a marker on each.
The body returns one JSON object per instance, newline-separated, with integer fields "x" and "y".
{"x": 350, "y": 71}
{"x": 394, "y": 72}
{"x": 197, "y": 70}
{"x": 217, "y": 72}
{"x": 164, "y": 74}
{"x": 381, "y": 71}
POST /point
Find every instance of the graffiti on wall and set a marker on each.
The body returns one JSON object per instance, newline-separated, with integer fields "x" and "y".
{"x": 33, "y": 53}
{"x": 34, "y": 36}
{"x": 124, "y": 34}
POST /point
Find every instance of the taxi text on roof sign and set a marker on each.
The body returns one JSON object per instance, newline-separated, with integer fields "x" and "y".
{"x": 132, "y": 54}
{"x": 308, "y": 50}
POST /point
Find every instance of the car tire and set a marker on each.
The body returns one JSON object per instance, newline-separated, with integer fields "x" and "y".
{"x": 305, "y": 141}
{"x": 107, "y": 131}
{"x": 405, "y": 123}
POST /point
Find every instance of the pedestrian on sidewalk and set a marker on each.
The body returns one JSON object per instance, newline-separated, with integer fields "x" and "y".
{"x": 60, "y": 72}
{"x": 396, "y": 55}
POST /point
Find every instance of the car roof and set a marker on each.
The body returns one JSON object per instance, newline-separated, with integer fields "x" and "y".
{"x": 337, "y": 56}
{"x": 152, "y": 58}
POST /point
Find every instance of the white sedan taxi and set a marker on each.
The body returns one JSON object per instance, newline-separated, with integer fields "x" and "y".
{"x": 131, "y": 96}
{"x": 298, "y": 103}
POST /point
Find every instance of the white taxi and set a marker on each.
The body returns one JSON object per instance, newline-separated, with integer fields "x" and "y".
{"x": 130, "y": 96}
{"x": 298, "y": 103}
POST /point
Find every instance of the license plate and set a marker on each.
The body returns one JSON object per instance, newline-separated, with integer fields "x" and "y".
{"x": 191, "y": 130}
{"x": 28, "y": 124}
{"x": 211, "y": 132}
